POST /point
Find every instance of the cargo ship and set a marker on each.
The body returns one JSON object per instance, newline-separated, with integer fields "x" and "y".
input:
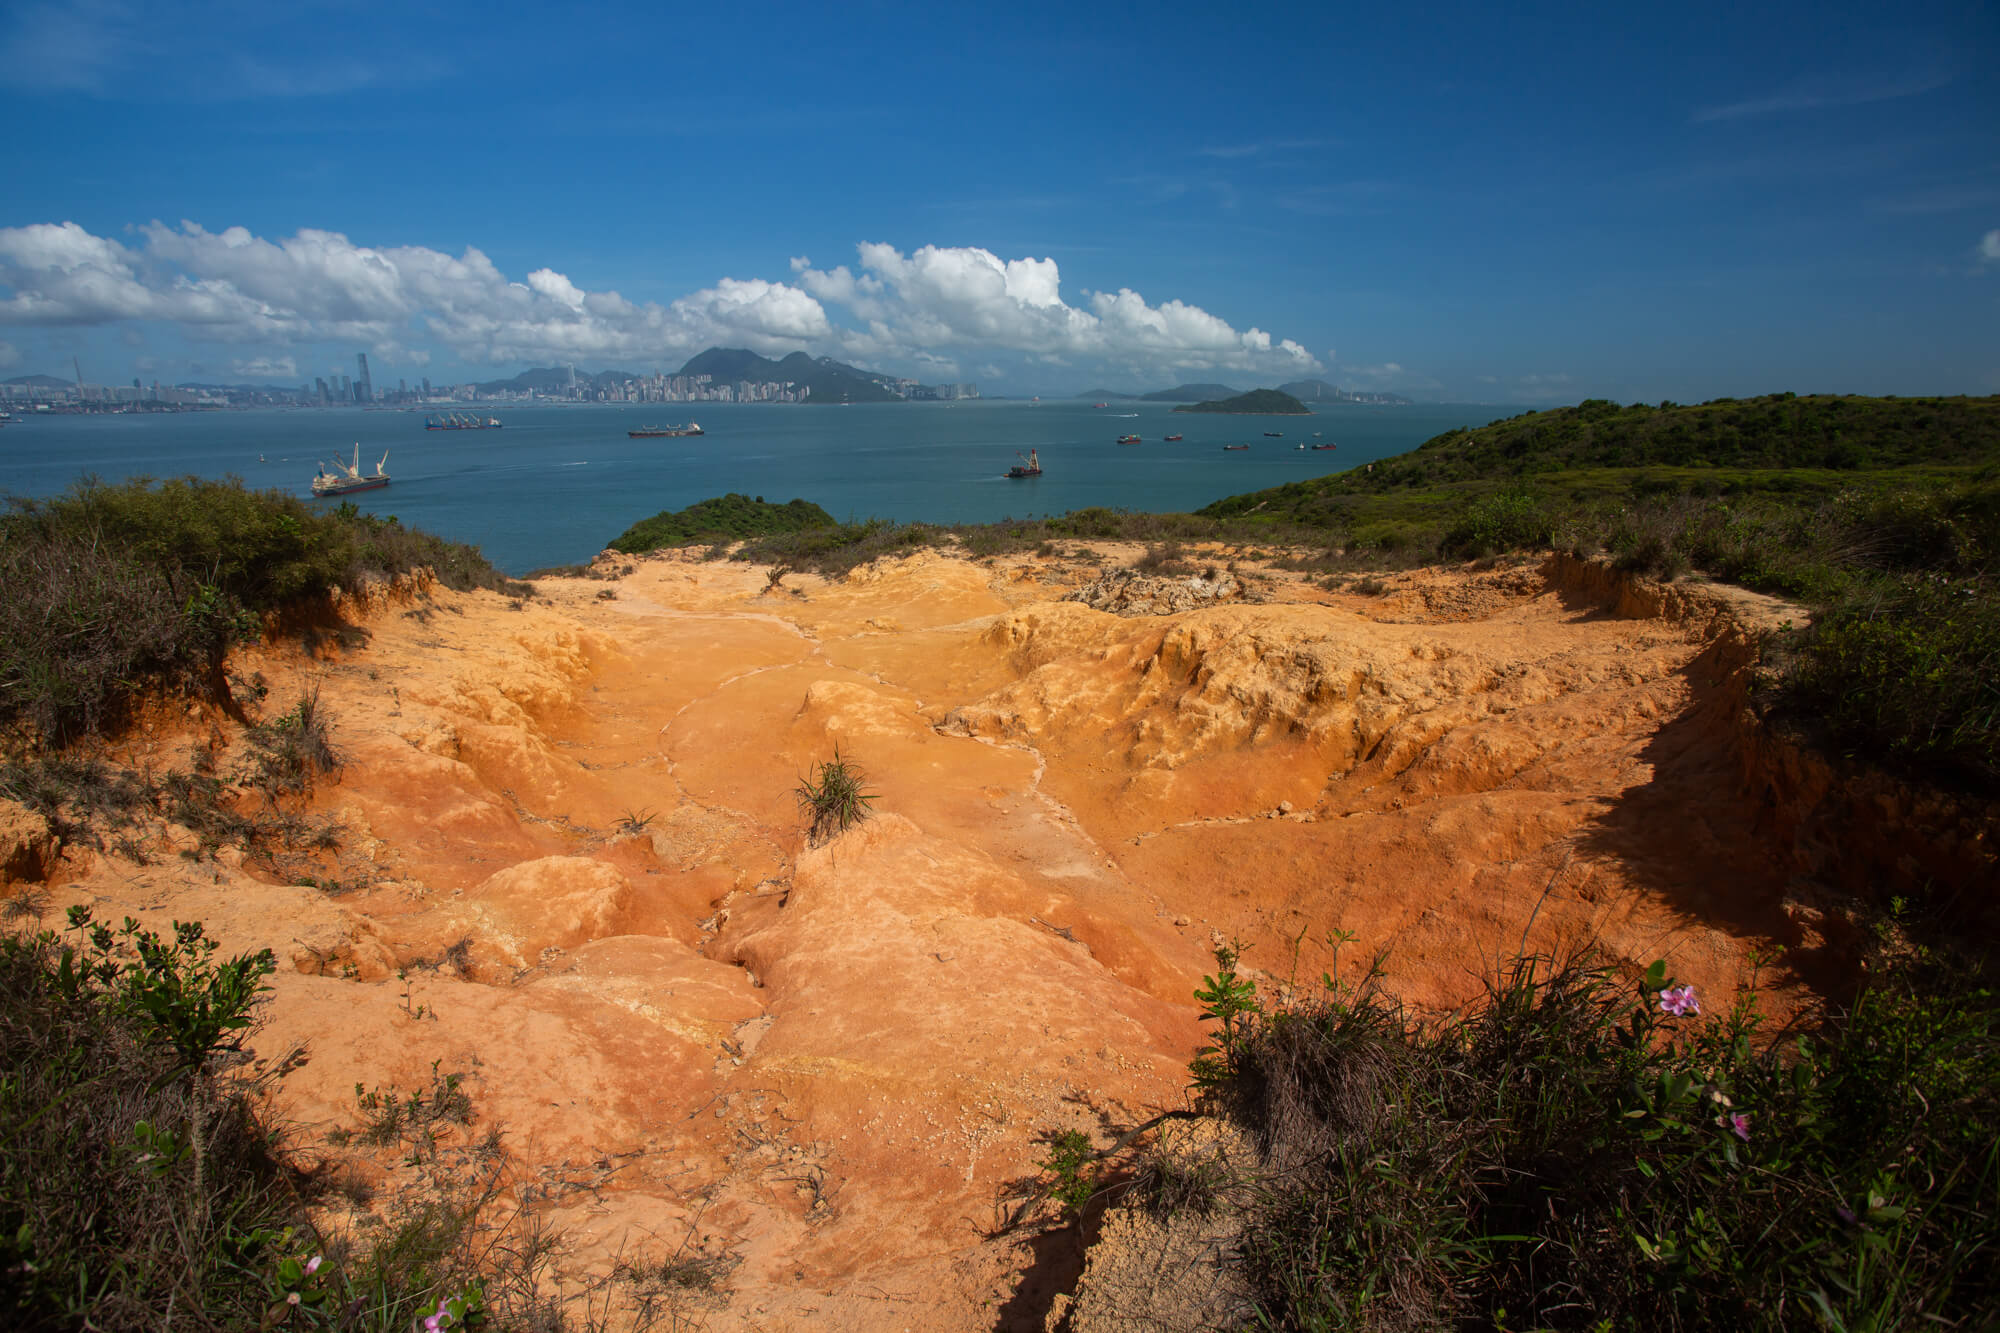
{"x": 666, "y": 432}
{"x": 461, "y": 421}
{"x": 1031, "y": 467}
{"x": 1172, "y": 438}
{"x": 339, "y": 478}
{"x": 1234, "y": 448}
{"x": 1128, "y": 439}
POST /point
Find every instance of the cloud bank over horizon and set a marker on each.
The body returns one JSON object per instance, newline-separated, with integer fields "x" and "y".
{"x": 925, "y": 309}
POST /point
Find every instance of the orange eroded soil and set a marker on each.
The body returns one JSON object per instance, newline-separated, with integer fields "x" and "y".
{"x": 572, "y": 828}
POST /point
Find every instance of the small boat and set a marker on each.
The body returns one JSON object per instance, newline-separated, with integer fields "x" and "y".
{"x": 1234, "y": 448}
{"x": 1274, "y": 435}
{"x": 668, "y": 432}
{"x": 1128, "y": 439}
{"x": 1030, "y": 467}
{"x": 1099, "y": 404}
{"x": 461, "y": 421}
{"x": 337, "y": 478}
{"x": 1172, "y": 438}
{"x": 1326, "y": 446}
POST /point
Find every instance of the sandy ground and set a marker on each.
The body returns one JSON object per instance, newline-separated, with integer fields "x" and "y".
{"x": 577, "y": 875}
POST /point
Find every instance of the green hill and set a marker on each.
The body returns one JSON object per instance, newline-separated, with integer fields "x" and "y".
{"x": 1780, "y": 442}
{"x": 725, "y": 518}
{"x": 1776, "y": 431}
{"x": 1258, "y": 402}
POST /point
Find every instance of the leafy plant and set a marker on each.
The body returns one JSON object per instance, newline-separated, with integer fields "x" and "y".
{"x": 1071, "y": 1166}
{"x": 832, "y": 799}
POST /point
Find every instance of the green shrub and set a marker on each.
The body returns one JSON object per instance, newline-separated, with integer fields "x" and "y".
{"x": 108, "y": 592}
{"x": 1508, "y": 521}
{"x": 1583, "y": 1151}
{"x": 1910, "y": 674}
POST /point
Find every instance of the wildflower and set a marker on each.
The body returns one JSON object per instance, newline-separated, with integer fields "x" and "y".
{"x": 1679, "y": 1001}
{"x": 1845, "y": 1214}
{"x": 312, "y": 1264}
{"x": 291, "y": 1298}
{"x": 1739, "y": 1123}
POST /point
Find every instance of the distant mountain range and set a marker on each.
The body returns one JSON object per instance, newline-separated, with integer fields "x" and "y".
{"x": 828, "y": 380}
{"x": 1306, "y": 391}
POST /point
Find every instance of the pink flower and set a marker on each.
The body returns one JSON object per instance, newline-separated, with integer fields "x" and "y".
{"x": 292, "y": 1298}
{"x": 312, "y": 1264}
{"x": 1740, "y": 1123}
{"x": 1679, "y": 1001}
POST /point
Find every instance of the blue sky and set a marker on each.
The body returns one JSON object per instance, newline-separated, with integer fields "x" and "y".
{"x": 1454, "y": 202}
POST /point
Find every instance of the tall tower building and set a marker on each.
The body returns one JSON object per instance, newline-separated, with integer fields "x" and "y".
{"x": 364, "y": 388}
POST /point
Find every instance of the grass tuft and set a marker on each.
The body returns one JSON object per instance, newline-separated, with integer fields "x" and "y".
{"x": 832, "y": 799}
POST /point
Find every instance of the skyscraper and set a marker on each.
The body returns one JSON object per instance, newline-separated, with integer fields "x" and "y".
{"x": 364, "y": 388}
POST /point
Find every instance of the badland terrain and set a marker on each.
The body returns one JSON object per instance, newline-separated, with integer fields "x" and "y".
{"x": 534, "y": 871}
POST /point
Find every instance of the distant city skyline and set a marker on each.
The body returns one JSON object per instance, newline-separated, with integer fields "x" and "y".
{"x": 1525, "y": 207}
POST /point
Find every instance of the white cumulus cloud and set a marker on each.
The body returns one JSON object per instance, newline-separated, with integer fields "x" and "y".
{"x": 935, "y": 306}
{"x": 938, "y": 298}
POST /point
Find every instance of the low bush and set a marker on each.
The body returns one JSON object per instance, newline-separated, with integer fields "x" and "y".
{"x": 108, "y": 592}
{"x": 1585, "y": 1150}
{"x": 140, "y": 1190}
{"x": 1507, "y": 521}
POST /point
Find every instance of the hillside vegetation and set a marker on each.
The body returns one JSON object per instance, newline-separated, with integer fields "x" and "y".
{"x": 1820, "y": 433}
{"x": 107, "y": 592}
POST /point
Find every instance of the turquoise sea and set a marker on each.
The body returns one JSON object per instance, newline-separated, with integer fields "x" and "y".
{"x": 558, "y": 482}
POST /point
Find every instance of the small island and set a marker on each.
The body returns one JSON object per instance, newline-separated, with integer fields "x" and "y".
{"x": 1258, "y": 402}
